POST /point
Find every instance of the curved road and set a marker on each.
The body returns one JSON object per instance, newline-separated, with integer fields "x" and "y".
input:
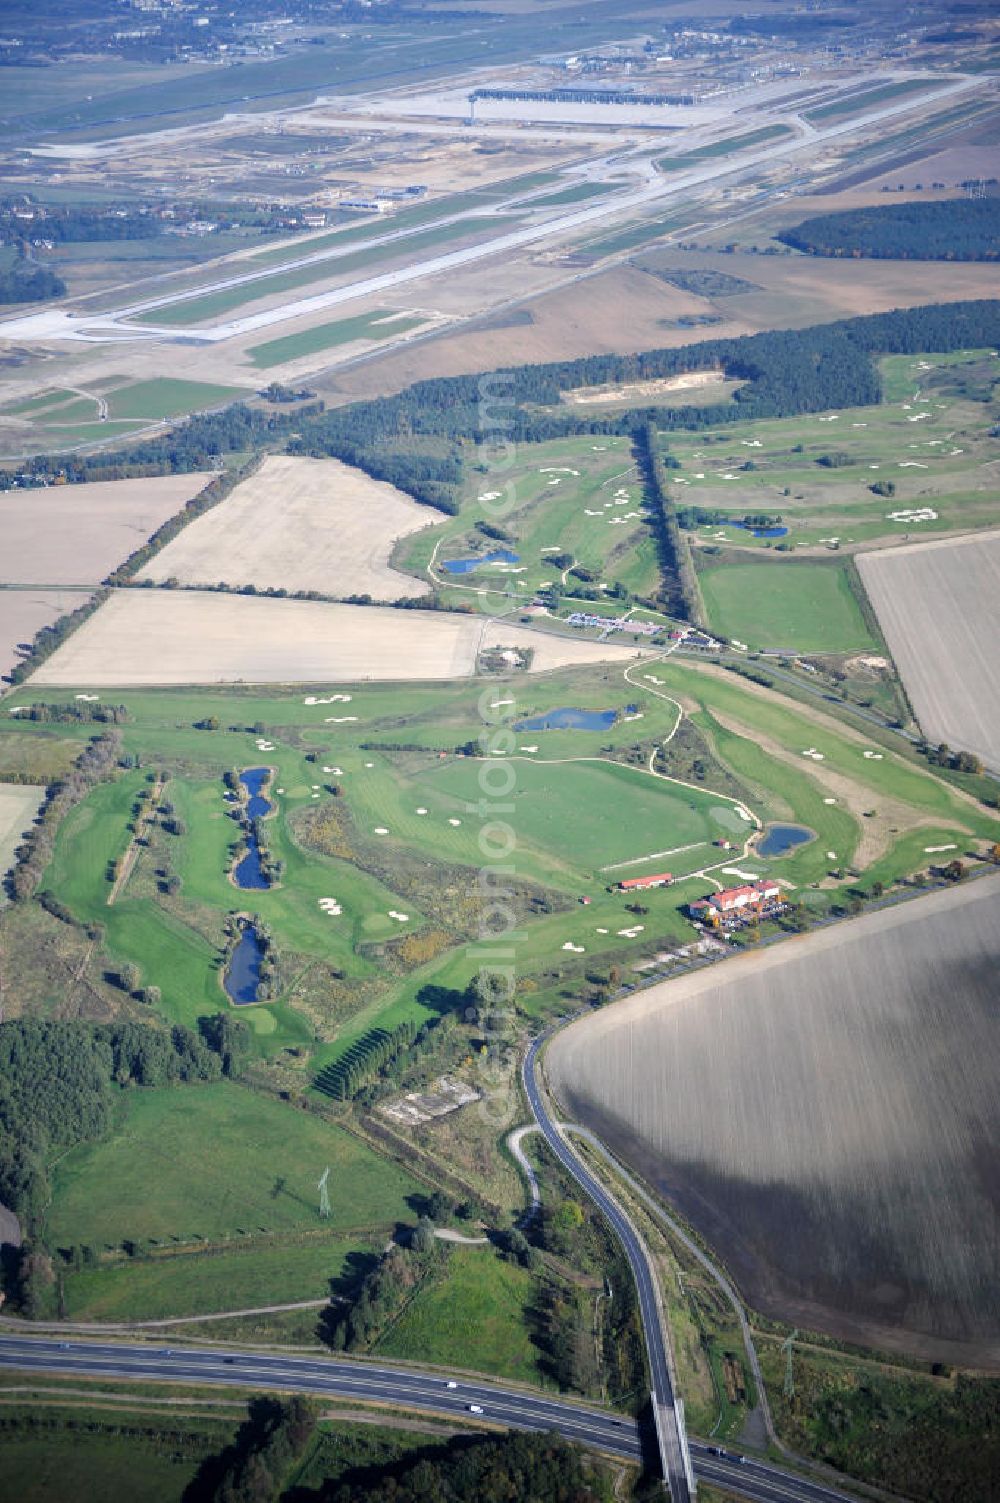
{"x": 666, "y": 1408}
{"x": 398, "y": 1388}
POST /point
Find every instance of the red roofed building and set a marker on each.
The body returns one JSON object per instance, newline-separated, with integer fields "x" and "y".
{"x": 637, "y": 884}
{"x": 737, "y": 902}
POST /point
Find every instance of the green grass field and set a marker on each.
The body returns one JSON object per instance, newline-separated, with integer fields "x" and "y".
{"x": 798, "y": 607}
{"x": 217, "y": 1161}
{"x": 475, "y": 1315}
{"x": 59, "y": 1463}
{"x": 203, "y": 1283}
{"x": 163, "y": 397}
{"x": 381, "y": 323}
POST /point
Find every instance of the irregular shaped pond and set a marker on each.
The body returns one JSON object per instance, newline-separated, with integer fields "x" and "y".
{"x": 242, "y": 975}
{"x": 466, "y": 565}
{"x": 248, "y": 873}
{"x": 762, "y": 532}
{"x": 569, "y": 719}
{"x": 780, "y": 839}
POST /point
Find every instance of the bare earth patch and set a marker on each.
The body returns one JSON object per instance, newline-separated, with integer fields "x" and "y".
{"x": 76, "y": 534}
{"x": 19, "y": 804}
{"x": 299, "y": 524}
{"x": 23, "y": 612}
{"x": 824, "y": 1112}
{"x": 185, "y": 637}
{"x": 937, "y": 605}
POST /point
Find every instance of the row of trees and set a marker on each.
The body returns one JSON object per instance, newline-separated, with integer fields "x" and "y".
{"x": 48, "y": 638}
{"x": 679, "y": 594}
{"x": 98, "y": 762}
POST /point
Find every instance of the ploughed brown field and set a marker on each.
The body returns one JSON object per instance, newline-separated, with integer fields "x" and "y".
{"x": 299, "y": 524}
{"x": 937, "y": 606}
{"x": 826, "y": 1114}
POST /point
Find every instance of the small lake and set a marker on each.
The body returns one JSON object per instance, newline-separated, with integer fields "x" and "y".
{"x": 247, "y": 873}
{"x": 762, "y": 532}
{"x": 569, "y": 719}
{"x": 243, "y": 972}
{"x": 466, "y": 565}
{"x": 780, "y": 839}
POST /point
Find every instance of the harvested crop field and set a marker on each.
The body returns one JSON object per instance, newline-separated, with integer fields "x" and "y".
{"x": 936, "y": 604}
{"x": 76, "y": 534}
{"x": 24, "y": 612}
{"x": 299, "y": 524}
{"x": 18, "y": 806}
{"x": 165, "y": 637}
{"x": 826, "y": 1115}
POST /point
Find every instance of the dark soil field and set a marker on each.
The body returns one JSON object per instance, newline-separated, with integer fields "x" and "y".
{"x": 824, "y": 1115}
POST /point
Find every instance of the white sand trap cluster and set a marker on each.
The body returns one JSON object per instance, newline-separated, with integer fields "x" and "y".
{"x": 936, "y": 604}
{"x": 576, "y": 949}
{"x": 76, "y": 534}
{"x": 632, "y": 933}
{"x": 330, "y": 906}
{"x": 329, "y": 699}
{"x": 401, "y": 918}
{"x": 813, "y": 754}
{"x": 186, "y": 637}
{"x": 299, "y": 524}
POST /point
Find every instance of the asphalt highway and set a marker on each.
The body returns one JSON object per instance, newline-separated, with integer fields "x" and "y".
{"x": 670, "y": 1419}
{"x": 397, "y": 1388}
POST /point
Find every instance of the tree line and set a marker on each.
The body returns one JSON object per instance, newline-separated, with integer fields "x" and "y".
{"x": 99, "y": 761}
{"x": 679, "y": 594}
{"x": 959, "y": 229}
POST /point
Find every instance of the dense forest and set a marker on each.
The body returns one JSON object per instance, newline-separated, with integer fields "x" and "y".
{"x": 954, "y": 230}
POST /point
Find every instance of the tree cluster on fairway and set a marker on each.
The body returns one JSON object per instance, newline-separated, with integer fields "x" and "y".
{"x": 58, "y": 1082}
{"x": 958, "y": 230}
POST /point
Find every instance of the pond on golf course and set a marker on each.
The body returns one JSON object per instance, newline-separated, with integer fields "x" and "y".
{"x": 242, "y": 974}
{"x": 569, "y": 719}
{"x": 466, "y": 565}
{"x": 247, "y": 873}
{"x": 780, "y": 839}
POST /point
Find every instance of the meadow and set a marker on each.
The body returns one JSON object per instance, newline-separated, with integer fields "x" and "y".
{"x": 820, "y": 1113}
{"x": 475, "y": 1291}
{"x": 217, "y": 1162}
{"x": 789, "y": 607}
{"x": 298, "y": 1265}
